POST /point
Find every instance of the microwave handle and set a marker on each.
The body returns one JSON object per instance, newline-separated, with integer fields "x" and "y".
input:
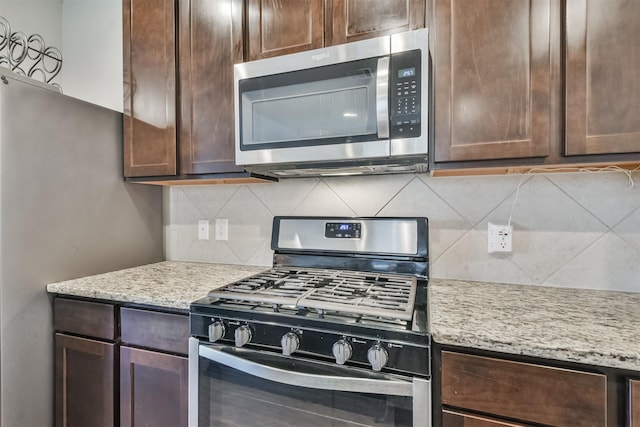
{"x": 382, "y": 97}
{"x": 322, "y": 382}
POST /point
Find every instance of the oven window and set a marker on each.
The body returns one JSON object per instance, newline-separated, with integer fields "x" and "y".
{"x": 228, "y": 397}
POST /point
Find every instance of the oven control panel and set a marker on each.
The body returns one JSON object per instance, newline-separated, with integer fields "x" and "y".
{"x": 377, "y": 353}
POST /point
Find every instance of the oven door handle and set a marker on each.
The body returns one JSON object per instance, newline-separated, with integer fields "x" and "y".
{"x": 393, "y": 387}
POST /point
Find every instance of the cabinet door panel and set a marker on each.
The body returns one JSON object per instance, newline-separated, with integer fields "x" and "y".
{"x": 492, "y": 79}
{"x": 153, "y": 389}
{"x": 351, "y": 20}
{"x": 602, "y": 83}
{"x": 634, "y": 402}
{"x": 534, "y": 393}
{"x": 279, "y": 27}
{"x": 84, "y": 371}
{"x": 149, "y": 80}
{"x": 210, "y": 43}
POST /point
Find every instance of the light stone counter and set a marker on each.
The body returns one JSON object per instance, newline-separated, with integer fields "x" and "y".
{"x": 591, "y": 327}
{"x": 584, "y": 326}
{"x": 168, "y": 284}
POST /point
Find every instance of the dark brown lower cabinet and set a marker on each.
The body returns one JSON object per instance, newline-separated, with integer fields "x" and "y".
{"x": 456, "y": 419}
{"x": 149, "y": 346}
{"x": 84, "y": 378}
{"x": 153, "y": 388}
{"x": 634, "y": 403}
{"x": 528, "y": 392}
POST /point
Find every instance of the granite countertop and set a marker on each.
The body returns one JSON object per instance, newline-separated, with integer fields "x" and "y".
{"x": 592, "y": 327}
{"x": 585, "y": 326}
{"x": 168, "y": 284}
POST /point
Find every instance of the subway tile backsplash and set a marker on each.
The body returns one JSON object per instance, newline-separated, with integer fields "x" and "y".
{"x": 578, "y": 230}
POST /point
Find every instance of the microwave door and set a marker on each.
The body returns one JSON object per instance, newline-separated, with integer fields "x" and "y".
{"x": 332, "y": 113}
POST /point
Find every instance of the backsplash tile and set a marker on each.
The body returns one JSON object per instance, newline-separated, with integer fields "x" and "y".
{"x": 574, "y": 230}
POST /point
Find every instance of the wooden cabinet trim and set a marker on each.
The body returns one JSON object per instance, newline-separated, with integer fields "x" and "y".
{"x": 459, "y": 419}
{"x": 85, "y": 318}
{"x": 518, "y": 390}
{"x": 155, "y": 330}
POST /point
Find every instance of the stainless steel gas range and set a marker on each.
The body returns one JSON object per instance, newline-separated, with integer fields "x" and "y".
{"x": 335, "y": 334}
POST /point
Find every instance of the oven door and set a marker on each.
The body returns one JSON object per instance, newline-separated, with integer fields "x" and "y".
{"x": 231, "y": 386}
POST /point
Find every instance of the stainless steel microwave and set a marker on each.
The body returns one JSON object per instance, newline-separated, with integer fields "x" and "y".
{"x": 356, "y": 108}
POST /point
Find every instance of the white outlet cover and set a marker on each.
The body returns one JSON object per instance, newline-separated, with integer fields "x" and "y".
{"x": 222, "y": 229}
{"x": 203, "y": 229}
{"x": 500, "y": 239}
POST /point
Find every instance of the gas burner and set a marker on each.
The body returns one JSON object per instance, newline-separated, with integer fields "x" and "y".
{"x": 350, "y": 292}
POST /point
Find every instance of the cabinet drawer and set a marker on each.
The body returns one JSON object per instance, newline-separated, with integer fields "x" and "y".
{"x": 151, "y": 329}
{"x": 533, "y": 393}
{"x": 85, "y": 318}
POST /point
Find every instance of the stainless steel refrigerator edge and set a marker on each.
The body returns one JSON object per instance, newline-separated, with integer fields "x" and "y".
{"x": 65, "y": 212}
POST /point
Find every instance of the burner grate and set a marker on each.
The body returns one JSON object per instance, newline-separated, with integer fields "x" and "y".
{"x": 377, "y": 295}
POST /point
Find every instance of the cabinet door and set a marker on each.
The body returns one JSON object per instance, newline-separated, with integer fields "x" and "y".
{"x": 153, "y": 388}
{"x": 492, "y": 76}
{"x": 602, "y": 79}
{"x": 84, "y": 371}
{"x": 278, "y": 27}
{"x": 634, "y": 402}
{"x": 455, "y": 419}
{"x": 210, "y": 43}
{"x": 149, "y": 80}
{"x": 351, "y": 20}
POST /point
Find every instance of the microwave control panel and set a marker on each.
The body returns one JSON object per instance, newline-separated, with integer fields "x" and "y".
{"x": 404, "y": 94}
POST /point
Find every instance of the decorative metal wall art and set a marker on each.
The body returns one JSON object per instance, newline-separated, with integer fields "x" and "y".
{"x": 28, "y": 55}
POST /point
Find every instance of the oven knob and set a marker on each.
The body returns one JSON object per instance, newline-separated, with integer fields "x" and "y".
{"x": 378, "y": 357}
{"x": 216, "y": 331}
{"x": 242, "y": 335}
{"x": 342, "y": 351}
{"x": 290, "y": 343}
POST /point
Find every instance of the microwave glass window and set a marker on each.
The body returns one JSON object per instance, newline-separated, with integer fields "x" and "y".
{"x": 340, "y": 107}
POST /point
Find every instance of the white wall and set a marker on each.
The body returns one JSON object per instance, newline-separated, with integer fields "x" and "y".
{"x": 92, "y": 46}
{"x": 574, "y": 230}
{"x": 89, "y": 35}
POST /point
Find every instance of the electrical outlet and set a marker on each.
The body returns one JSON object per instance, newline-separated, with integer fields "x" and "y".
{"x": 222, "y": 229}
{"x": 203, "y": 229}
{"x": 500, "y": 239}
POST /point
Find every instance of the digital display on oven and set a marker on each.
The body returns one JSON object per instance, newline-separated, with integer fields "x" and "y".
{"x": 343, "y": 230}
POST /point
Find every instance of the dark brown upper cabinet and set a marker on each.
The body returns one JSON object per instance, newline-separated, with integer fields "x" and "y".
{"x": 280, "y": 27}
{"x": 149, "y": 88}
{"x": 351, "y": 20}
{"x": 186, "y": 128}
{"x": 210, "y": 42}
{"x": 601, "y": 77}
{"x": 492, "y": 79}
